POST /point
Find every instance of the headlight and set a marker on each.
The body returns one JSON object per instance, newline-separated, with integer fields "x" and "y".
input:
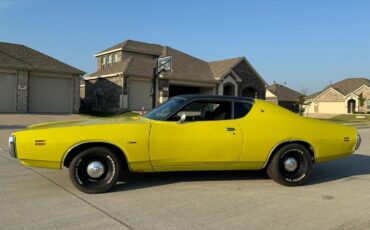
{"x": 11, "y": 147}
{"x": 358, "y": 143}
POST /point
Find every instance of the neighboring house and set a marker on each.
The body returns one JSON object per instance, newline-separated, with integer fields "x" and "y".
{"x": 341, "y": 97}
{"x": 283, "y": 96}
{"x": 34, "y": 82}
{"x": 124, "y": 77}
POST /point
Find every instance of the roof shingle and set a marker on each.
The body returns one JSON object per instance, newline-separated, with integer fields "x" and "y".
{"x": 284, "y": 93}
{"x": 20, "y": 56}
{"x": 345, "y": 86}
{"x": 136, "y": 46}
{"x": 185, "y": 66}
{"x": 222, "y": 67}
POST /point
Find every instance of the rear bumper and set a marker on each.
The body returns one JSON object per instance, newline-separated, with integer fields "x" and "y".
{"x": 358, "y": 142}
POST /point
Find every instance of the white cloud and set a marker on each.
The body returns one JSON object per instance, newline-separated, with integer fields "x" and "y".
{"x": 9, "y": 3}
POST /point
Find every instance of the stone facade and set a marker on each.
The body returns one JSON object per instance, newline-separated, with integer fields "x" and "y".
{"x": 330, "y": 96}
{"x": 231, "y": 82}
{"x": 365, "y": 91}
{"x": 22, "y": 91}
{"x": 76, "y": 93}
{"x": 250, "y": 80}
{"x": 104, "y": 94}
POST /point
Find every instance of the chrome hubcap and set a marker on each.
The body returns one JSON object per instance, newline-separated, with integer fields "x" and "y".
{"x": 290, "y": 164}
{"x": 95, "y": 169}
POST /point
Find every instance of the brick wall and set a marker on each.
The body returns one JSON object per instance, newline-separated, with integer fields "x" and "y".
{"x": 331, "y": 96}
{"x": 365, "y": 94}
{"x": 22, "y": 91}
{"x": 249, "y": 79}
{"x": 103, "y": 94}
{"x": 76, "y": 94}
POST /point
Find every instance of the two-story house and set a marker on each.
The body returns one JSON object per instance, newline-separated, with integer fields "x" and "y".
{"x": 125, "y": 73}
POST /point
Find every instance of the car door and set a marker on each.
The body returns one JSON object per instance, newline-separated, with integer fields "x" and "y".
{"x": 208, "y": 136}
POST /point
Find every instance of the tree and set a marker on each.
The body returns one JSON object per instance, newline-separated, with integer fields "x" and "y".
{"x": 361, "y": 101}
{"x": 302, "y": 104}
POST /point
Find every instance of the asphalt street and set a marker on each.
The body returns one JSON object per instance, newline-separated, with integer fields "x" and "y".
{"x": 336, "y": 197}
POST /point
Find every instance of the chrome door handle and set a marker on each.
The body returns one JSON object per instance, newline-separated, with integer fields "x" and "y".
{"x": 230, "y": 129}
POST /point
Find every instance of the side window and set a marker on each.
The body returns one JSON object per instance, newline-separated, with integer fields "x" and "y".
{"x": 110, "y": 59}
{"x": 104, "y": 60}
{"x": 241, "y": 109}
{"x": 206, "y": 111}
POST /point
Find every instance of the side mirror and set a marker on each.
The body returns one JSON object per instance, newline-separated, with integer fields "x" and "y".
{"x": 182, "y": 118}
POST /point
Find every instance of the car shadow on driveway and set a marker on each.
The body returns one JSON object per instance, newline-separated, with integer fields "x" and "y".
{"x": 12, "y": 127}
{"x": 144, "y": 180}
{"x": 346, "y": 168}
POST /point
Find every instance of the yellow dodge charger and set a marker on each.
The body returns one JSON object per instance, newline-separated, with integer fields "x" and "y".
{"x": 190, "y": 132}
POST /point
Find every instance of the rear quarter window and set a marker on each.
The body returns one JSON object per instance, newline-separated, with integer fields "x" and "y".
{"x": 241, "y": 109}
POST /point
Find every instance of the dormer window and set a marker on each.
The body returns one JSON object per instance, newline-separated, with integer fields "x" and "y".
{"x": 110, "y": 59}
{"x": 115, "y": 57}
{"x": 104, "y": 60}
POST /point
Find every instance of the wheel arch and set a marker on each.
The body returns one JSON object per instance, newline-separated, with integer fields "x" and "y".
{"x": 76, "y": 149}
{"x": 277, "y": 147}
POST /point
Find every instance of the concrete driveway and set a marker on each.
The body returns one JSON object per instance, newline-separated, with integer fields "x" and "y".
{"x": 337, "y": 197}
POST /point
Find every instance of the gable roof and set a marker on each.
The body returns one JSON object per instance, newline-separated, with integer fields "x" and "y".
{"x": 349, "y": 85}
{"x": 344, "y": 87}
{"x": 222, "y": 67}
{"x": 284, "y": 93}
{"x": 185, "y": 66}
{"x": 135, "y": 46}
{"x": 20, "y": 56}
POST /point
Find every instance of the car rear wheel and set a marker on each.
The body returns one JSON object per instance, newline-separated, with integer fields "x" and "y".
{"x": 291, "y": 165}
{"x": 94, "y": 170}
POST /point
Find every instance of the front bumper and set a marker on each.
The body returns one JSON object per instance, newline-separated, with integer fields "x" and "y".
{"x": 12, "y": 147}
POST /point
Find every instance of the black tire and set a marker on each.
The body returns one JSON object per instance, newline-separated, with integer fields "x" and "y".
{"x": 278, "y": 171}
{"x": 83, "y": 181}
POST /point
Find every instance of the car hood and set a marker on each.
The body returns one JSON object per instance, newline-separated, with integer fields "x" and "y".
{"x": 86, "y": 122}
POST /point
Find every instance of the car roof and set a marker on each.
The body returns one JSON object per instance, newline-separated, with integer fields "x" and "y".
{"x": 190, "y": 97}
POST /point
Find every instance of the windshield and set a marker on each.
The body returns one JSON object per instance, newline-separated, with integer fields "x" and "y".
{"x": 167, "y": 108}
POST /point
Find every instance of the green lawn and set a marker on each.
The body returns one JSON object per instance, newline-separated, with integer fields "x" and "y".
{"x": 347, "y": 118}
{"x": 357, "y": 120}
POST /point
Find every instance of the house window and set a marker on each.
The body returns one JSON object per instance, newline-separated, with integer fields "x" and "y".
{"x": 368, "y": 104}
{"x": 104, "y": 60}
{"x": 110, "y": 59}
{"x": 115, "y": 57}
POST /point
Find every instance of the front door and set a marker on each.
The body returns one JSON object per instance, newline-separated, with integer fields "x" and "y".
{"x": 208, "y": 136}
{"x": 351, "y": 106}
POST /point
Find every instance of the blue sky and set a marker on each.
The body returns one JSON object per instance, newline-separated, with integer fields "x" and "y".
{"x": 306, "y": 44}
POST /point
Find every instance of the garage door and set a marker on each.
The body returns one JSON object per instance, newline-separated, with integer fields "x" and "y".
{"x": 139, "y": 95}
{"x": 50, "y": 95}
{"x": 331, "y": 107}
{"x": 7, "y": 92}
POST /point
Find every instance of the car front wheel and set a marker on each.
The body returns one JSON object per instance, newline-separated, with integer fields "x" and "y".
{"x": 291, "y": 165}
{"x": 94, "y": 170}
